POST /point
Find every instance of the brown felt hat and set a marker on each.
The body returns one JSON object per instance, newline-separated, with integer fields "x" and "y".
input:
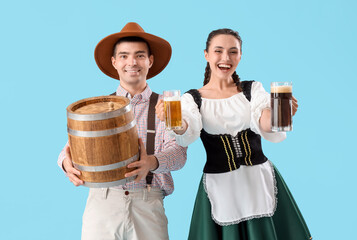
{"x": 160, "y": 48}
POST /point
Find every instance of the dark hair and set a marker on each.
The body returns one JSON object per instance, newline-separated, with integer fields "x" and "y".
{"x": 225, "y": 31}
{"x": 130, "y": 39}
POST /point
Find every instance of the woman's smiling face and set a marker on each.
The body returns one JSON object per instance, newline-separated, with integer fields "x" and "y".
{"x": 223, "y": 56}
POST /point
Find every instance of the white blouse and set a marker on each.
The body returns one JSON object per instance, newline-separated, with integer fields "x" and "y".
{"x": 249, "y": 191}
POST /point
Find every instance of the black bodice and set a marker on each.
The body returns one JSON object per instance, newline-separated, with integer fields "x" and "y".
{"x": 226, "y": 152}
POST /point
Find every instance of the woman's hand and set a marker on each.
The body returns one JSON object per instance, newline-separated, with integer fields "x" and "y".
{"x": 295, "y": 105}
{"x": 265, "y": 121}
{"x": 160, "y": 113}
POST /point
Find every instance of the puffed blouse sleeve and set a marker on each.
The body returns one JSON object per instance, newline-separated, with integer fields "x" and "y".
{"x": 260, "y": 99}
{"x": 192, "y": 116}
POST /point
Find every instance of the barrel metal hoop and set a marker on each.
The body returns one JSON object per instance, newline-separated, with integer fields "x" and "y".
{"x": 102, "y": 133}
{"x": 109, "y": 184}
{"x": 106, "y": 167}
{"x": 99, "y": 116}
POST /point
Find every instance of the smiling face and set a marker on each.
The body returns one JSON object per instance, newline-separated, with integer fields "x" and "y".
{"x": 132, "y": 62}
{"x": 223, "y": 56}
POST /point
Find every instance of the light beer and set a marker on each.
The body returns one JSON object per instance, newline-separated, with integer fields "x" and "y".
{"x": 281, "y": 106}
{"x": 172, "y": 106}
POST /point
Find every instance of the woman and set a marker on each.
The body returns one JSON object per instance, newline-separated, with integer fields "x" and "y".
{"x": 241, "y": 194}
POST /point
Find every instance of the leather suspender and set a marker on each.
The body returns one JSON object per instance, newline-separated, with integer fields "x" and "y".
{"x": 150, "y": 139}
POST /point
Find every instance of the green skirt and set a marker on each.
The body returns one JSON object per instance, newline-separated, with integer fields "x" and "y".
{"x": 287, "y": 223}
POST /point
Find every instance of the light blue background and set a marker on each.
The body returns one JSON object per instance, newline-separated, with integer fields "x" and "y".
{"x": 47, "y": 63}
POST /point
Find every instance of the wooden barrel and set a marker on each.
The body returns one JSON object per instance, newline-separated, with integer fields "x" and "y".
{"x": 103, "y": 139}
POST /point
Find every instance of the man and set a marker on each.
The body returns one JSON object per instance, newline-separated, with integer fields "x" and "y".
{"x": 133, "y": 210}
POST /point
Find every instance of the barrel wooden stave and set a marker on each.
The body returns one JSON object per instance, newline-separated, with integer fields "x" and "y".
{"x": 100, "y": 151}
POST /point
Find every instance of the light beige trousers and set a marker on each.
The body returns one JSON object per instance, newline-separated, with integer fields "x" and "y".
{"x": 114, "y": 214}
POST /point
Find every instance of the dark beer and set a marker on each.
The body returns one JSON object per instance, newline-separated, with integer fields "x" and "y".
{"x": 281, "y": 107}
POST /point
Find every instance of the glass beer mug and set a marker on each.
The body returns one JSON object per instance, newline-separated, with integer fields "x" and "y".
{"x": 172, "y": 106}
{"x": 281, "y": 106}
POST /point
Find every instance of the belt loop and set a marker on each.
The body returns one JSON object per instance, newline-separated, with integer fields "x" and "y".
{"x": 145, "y": 194}
{"x": 104, "y": 193}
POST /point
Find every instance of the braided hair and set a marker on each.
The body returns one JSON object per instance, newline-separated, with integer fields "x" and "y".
{"x": 226, "y": 31}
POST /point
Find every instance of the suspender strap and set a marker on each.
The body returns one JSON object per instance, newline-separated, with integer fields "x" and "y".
{"x": 150, "y": 139}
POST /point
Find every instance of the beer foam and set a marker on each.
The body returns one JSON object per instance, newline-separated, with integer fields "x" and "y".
{"x": 281, "y": 89}
{"x": 173, "y": 98}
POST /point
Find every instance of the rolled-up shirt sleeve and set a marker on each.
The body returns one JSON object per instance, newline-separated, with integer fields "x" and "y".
{"x": 172, "y": 157}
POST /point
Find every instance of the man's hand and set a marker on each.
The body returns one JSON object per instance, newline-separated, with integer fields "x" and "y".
{"x": 72, "y": 173}
{"x": 145, "y": 164}
{"x": 159, "y": 110}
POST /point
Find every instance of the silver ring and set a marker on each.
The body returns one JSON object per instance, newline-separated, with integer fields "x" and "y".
{"x": 103, "y": 133}
{"x": 106, "y": 167}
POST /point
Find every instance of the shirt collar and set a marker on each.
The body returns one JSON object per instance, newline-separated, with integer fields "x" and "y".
{"x": 144, "y": 95}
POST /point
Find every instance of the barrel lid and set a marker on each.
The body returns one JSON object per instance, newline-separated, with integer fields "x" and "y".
{"x": 98, "y": 108}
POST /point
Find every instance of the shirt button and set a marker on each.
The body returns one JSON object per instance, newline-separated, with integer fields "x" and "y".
{"x": 126, "y": 192}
